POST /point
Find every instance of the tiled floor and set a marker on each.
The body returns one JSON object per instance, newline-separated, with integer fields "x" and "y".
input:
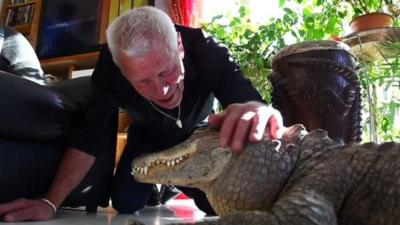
{"x": 176, "y": 211}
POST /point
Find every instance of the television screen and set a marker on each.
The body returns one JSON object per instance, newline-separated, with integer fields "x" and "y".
{"x": 68, "y": 27}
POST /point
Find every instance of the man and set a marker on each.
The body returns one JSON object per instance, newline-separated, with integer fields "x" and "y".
{"x": 166, "y": 77}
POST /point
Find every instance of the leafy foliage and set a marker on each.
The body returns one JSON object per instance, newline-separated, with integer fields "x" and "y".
{"x": 382, "y": 80}
{"x": 253, "y": 46}
{"x": 361, "y": 7}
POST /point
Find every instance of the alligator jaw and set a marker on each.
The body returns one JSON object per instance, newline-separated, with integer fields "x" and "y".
{"x": 198, "y": 160}
{"x": 160, "y": 160}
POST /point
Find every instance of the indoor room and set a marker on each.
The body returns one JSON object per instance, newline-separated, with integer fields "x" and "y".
{"x": 199, "y": 112}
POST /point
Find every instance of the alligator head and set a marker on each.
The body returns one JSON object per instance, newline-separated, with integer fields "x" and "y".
{"x": 184, "y": 164}
{"x": 247, "y": 181}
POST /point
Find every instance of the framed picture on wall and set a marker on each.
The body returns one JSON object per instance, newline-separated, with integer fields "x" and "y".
{"x": 69, "y": 27}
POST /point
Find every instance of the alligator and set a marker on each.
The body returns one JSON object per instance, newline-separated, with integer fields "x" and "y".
{"x": 304, "y": 178}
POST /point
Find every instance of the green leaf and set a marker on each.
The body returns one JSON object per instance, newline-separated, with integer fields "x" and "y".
{"x": 294, "y": 33}
{"x": 358, "y": 11}
{"x": 307, "y": 11}
{"x": 302, "y": 33}
{"x": 309, "y": 22}
{"x": 331, "y": 26}
{"x": 244, "y": 11}
{"x": 288, "y": 10}
{"x": 217, "y": 17}
{"x": 385, "y": 124}
{"x": 234, "y": 22}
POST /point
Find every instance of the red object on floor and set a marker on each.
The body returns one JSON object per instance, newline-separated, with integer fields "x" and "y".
{"x": 181, "y": 196}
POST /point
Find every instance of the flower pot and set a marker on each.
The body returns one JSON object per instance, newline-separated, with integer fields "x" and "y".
{"x": 371, "y": 21}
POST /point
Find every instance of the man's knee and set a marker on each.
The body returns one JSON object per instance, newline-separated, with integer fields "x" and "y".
{"x": 127, "y": 204}
{"x": 200, "y": 200}
{"x": 130, "y": 197}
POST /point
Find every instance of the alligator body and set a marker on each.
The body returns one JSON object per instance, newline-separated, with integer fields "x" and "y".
{"x": 304, "y": 178}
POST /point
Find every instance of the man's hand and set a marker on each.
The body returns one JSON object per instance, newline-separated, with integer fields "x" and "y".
{"x": 73, "y": 167}
{"x": 26, "y": 209}
{"x": 247, "y": 122}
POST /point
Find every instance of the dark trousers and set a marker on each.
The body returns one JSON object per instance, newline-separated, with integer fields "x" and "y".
{"x": 129, "y": 195}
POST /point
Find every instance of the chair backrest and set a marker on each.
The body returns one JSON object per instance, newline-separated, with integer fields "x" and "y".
{"x": 33, "y": 112}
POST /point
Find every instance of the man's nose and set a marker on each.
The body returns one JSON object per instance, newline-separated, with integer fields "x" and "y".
{"x": 162, "y": 86}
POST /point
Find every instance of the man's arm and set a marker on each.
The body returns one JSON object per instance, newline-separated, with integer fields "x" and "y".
{"x": 74, "y": 166}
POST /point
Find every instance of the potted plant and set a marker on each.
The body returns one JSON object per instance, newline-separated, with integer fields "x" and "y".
{"x": 371, "y": 14}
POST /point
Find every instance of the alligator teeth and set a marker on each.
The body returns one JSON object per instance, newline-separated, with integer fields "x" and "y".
{"x": 145, "y": 170}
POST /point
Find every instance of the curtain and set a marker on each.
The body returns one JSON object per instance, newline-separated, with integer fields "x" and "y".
{"x": 186, "y": 12}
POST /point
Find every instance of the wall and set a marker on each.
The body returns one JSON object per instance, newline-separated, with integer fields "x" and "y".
{"x": 162, "y": 5}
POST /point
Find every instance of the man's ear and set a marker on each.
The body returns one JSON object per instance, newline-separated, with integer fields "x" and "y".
{"x": 180, "y": 46}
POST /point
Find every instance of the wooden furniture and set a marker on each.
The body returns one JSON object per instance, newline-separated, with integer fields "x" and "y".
{"x": 371, "y": 44}
{"x": 124, "y": 121}
{"x": 23, "y": 16}
{"x": 376, "y": 46}
{"x": 64, "y": 66}
{"x": 61, "y": 67}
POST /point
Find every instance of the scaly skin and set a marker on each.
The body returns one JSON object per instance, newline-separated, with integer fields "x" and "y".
{"x": 306, "y": 179}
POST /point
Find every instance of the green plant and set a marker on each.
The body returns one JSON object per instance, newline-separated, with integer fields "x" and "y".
{"x": 381, "y": 105}
{"x": 321, "y": 19}
{"x": 361, "y": 7}
{"x": 254, "y": 45}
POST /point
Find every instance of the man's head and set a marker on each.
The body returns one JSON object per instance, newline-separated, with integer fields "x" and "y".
{"x": 145, "y": 46}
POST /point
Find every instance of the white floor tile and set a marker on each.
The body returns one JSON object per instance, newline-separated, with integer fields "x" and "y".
{"x": 176, "y": 211}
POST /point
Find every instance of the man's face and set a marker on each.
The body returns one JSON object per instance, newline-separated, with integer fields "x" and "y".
{"x": 156, "y": 76}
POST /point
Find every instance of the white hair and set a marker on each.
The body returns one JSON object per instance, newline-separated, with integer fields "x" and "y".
{"x": 136, "y": 31}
